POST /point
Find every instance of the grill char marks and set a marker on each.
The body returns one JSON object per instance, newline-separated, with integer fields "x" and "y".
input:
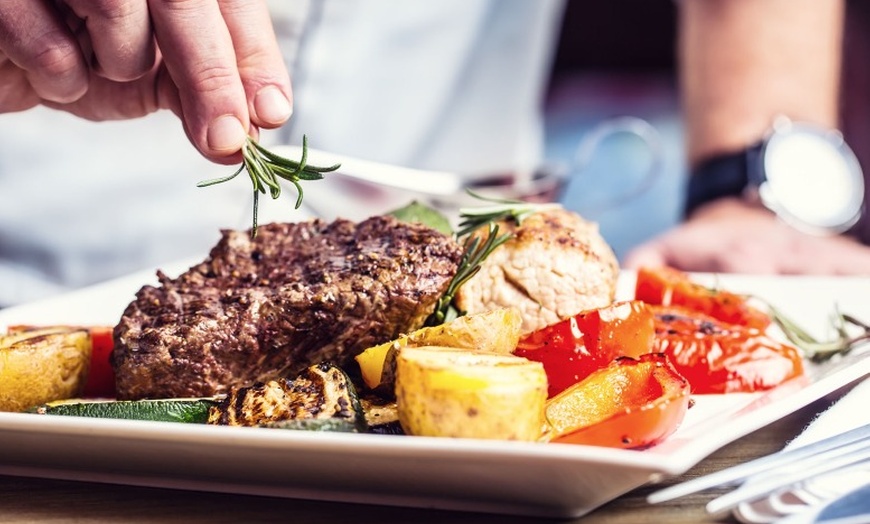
{"x": 262, "y": 308}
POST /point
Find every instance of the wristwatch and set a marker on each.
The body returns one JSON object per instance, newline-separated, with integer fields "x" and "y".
{"x": 807, "y": 175}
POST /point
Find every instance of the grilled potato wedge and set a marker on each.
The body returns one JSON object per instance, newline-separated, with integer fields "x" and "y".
{"x": 444, "y": 392}
{"x": 495, "y": 331}
{"x": 43, "y": 365}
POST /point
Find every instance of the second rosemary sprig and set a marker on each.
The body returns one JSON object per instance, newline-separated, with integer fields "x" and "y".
{"x": 850, "y": 332}
{"x": 475, "y": 252}
{"x": 265, "y": 168}
{"x": 478, "y": 247}
{"x": 472, "y": 218}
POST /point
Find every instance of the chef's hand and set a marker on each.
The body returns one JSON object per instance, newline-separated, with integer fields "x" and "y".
{"x": 732, "y": 236}
{"x": 216, "y": 64}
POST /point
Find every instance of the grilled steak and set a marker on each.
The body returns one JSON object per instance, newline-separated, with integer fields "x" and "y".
{"x": 267, "y": 307}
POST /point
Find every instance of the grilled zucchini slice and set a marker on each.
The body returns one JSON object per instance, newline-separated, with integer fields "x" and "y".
{"x": 194, "y": 410}
{"x": 322, "y": 392}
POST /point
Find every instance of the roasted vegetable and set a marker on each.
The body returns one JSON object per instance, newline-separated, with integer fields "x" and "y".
{"x": 101, "y": 376}
{"x": 332, "y": 425}
{"x": 669, "y": 287}
{"x": 722, "y": 358}
{"x": 382, "y": 416}
{"x": 445, "y": 392}
{"x": 321, "y": 392}
{"x": 496, "y": 331}
{"x": 193, "y": 410}
{"x": 42, "y": 365}
{"x": 629, "y": 404}
{"x": 574, "y": 348}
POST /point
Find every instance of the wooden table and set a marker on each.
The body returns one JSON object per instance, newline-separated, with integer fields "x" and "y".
{"x": 41, "y": 500}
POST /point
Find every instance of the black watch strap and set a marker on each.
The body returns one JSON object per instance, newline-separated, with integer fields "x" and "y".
{"x": 726, "y": 175}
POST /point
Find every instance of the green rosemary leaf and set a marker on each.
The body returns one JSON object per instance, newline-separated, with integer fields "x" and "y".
{"x": 255, "y": 180}
{"x": 206, "y": 183}
{"x": 309, "y": 175}
{"x": 298, "y": 193}
{"x": 475, "y": 252}
{"x": 304, "y": 159}
{"x": 288, "y": 174}
{"x": 856, "y": 322}
{"x": 255, "y": 165}
{"x": 256, "y": 207}
{"x": 317, "y": 169}
{"x": 265, "y": 168}
{"x": 274, "y": 157}
{"x": 819, "y": 350}
{"x": 515, "y": 210}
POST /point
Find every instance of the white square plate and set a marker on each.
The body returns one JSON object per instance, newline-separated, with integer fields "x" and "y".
{"x": 554, "y": 480}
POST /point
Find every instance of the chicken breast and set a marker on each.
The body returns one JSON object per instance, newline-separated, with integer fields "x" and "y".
{"x": 556, "y": 265}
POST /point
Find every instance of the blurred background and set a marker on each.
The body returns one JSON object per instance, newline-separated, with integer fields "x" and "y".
{"x": 616, "y": 59}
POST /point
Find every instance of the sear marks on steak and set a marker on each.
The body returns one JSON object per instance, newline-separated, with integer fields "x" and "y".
{"x": 556, "y": 265}
{"x": 268, "y": 307}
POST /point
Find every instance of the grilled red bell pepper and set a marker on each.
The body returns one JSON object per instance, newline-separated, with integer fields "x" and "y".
{"x": 574, "y": 348}
{"x": 722, "y": 358}
{"x": 631, "y": 403}
{"x": 670, "y": 287}
{"x": 101, "y": 377}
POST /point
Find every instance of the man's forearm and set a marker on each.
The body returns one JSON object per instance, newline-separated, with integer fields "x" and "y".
{"x": 743, "y": 62}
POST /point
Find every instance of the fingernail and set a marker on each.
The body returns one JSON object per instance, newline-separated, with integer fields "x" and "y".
{"x": 226, "y": 134}
{"x": 272, "y": 106}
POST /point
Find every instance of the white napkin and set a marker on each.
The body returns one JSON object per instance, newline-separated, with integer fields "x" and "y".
{"x": 848, "y": 413}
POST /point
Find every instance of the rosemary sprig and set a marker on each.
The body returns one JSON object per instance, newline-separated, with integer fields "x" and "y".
{"x": 844, "y": 325}
{"x": 265, "y": 168}
{"x": 472, "y": 218}
{"x": 475, "y": 252}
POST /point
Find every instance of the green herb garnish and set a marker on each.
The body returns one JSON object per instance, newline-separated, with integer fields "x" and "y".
{"x": 265, "y": 168}
{"x": 472, "y": 218}
{"x": 850, "y": 332}
{"x": 415, "y": 212}
{"x": 477, "y": 249}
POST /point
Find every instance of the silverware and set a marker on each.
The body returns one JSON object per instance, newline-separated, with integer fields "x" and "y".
{"x": 417, "y": 180}
{"x": 852, "y": 507}
{"x": 853, "y": 444}
{"x": 763, "y": 485}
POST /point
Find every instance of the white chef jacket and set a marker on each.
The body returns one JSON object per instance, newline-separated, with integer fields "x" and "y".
{"x": 449, "y": 85}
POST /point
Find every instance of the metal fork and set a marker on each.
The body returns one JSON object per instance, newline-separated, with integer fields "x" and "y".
{"x": 776, "y": 471}
{"x": 418, "y": 180}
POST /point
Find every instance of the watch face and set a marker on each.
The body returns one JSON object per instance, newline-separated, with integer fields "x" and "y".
{"x": 812, "y": 179}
